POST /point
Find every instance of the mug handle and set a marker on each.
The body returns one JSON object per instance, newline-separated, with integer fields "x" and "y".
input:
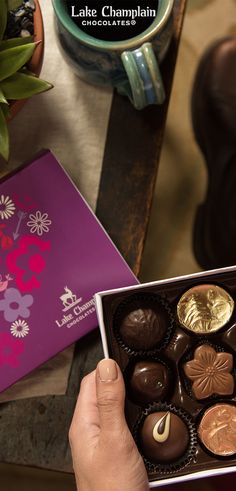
{"x": 144, "y": 85}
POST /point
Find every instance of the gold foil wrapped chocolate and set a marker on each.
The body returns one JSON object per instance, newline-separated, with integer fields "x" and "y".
{"x": 205, "y": 308}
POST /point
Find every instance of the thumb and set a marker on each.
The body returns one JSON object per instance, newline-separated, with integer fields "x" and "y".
{"x": 110, "y": 396}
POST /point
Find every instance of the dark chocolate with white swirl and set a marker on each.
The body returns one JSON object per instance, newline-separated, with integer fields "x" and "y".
{"x": 164, "y": 437}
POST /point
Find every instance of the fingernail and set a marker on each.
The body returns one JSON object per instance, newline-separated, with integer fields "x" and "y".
{"x": 107, "y": 370}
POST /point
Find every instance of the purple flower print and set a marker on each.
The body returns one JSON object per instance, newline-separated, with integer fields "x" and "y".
{"x": 15, "y": 305}
{"x": 10, "y": 349}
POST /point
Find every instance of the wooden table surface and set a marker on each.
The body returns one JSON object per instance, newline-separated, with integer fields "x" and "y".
{"x": 34, "y": 431}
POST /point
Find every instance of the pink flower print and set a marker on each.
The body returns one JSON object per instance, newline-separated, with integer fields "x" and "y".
{"x": 15, "y": 305}
{"x": 24, "y": 203}
{"x": 10, "y": 349}
{"x": 36, "y": 262}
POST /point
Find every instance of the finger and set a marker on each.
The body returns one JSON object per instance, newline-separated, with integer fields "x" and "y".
{"x": 86, "y": 417}
{"x": 110, "y": 396}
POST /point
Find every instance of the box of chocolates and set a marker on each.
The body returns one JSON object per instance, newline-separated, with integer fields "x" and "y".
{"x": 175, "y": 342}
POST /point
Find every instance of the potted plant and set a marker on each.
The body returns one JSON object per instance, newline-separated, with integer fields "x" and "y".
{"x": 20, "y": 61}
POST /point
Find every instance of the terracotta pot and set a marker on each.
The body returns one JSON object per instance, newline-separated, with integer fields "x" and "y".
{"x": 36, "y": 61}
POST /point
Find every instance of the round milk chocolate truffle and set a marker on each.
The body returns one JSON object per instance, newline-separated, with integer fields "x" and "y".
{"x": 149, "y": 381}
{"x": 143, "y": 329}
{"x": 164, "y": 437}
{"x": 217, "y": 429}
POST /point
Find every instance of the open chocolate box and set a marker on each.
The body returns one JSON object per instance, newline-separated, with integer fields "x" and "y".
{"x": 175, "y": 342}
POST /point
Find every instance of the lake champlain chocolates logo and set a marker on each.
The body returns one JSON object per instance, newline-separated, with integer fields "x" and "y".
{"x": 113, "y": 20}
{"x": 74, "y": 309}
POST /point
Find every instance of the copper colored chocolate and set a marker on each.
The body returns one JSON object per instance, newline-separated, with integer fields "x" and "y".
{"x": 205, "y": 308}
{"x": 164, "y": 437}
{"x": 143, "y": 329}
{"x": 210, "y": 372}
{"x": 217, "y": 429}
{"x": 149, "y": 381}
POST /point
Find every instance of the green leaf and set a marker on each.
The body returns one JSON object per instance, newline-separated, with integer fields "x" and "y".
{"x": 12, "y": 59}
{"x": 22, "y": 86}
{"x": 2, "y": 98}
{"x": 14, "y": 4}
{"x": 3, "y": 17}
{"x": 6, "y": 110}
{"x": 11, "y": 43}
{"x": 4, "y": 136}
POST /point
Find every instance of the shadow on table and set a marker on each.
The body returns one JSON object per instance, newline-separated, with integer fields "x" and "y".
{"x": 20, "y": 478}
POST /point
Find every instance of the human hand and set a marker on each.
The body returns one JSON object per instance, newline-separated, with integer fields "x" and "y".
{"x": 105, "y": 457}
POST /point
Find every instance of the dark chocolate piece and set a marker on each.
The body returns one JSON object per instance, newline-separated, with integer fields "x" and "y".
{"x": 149, "y": 381}
{"x": 217, "y": 429}
{"x": 143, "y": 329}
{"x": 210, "y": 372}
{"x": 164, "y": 437}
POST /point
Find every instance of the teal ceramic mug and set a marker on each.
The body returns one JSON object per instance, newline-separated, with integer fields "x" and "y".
{"x": 131, "y": 66}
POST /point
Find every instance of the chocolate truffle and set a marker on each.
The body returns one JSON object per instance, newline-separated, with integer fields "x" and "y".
{"x": 217, "y": 429}
{"x": 164, "y": 437}
{"x": 144, "y": 328}
{"x": 149, "y": 381}
{"x": 205, "y": 309}
{"x": 210, "y": 372}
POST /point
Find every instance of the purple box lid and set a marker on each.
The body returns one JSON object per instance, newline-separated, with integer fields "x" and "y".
{"x": 54, "y": 256}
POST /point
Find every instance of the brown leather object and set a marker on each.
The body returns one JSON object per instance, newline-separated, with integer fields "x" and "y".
{"x": 214, "y": 124}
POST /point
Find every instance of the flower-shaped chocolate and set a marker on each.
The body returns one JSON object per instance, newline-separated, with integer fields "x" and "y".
{"x": 210, "y": 372}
